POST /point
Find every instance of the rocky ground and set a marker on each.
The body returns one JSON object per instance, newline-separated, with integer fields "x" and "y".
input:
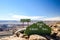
{"x": 31, "y": 37}
{"x": 22, "y": 37}
{"x": 55, "y": 35}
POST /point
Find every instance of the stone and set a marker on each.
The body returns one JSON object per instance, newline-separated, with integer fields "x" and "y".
{"x": 37, "y": 37}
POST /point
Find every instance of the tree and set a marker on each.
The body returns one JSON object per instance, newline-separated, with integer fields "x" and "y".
{"x": 39, "y": 28}
{"x": 22, "y": 20}
{"x": 25, "y": 20}
{"x": 28, "y": 20}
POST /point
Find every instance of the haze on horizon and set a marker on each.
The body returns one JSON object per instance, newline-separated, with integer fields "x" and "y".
{"x": 32, "y": 9}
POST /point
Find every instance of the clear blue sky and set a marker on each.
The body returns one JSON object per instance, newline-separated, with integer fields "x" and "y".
{"x": 49, "y": 8}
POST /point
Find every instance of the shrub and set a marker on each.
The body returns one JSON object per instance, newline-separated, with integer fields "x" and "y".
{"x": 39, "y": 28}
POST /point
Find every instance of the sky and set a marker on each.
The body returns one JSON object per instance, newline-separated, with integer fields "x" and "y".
{"x": 32, "y": 9}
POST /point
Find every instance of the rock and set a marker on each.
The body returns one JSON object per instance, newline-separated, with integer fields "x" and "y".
{"x": 17, "y": 34}
{"x": 26, "y": 37}
{"x": 15, "y": 38}
{"x": 32, "y": 37}
{"x": 36, "y": 37}
{"x": 54, "y": 30}
{"x": 58, "y": 34}
{"x": 51, "y": 39}
{"x": 23, "y": 39}
{"x": 14, "y": 35}
{"x": 23, "y": 36}
{"x": 6, "y": 38}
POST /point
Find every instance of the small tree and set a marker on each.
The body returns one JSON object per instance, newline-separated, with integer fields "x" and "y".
{"x": 28, "y": 20}
{"x": 25, "y": 20}
{"x": 22, "y": 20}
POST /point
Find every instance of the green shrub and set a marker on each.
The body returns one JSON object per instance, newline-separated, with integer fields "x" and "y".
{"x": 39, "y": 28}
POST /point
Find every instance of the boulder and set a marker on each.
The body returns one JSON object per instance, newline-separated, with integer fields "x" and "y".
{"x": 37, "y": 37}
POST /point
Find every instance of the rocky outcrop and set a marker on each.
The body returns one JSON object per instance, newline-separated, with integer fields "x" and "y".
{"x": 24, "y": 37}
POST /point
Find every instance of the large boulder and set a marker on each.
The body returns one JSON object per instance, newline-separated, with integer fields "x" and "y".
{"x": 36, "y": 37}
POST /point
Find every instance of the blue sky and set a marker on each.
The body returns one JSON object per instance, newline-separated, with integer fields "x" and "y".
{"x": 17, "y": 9}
